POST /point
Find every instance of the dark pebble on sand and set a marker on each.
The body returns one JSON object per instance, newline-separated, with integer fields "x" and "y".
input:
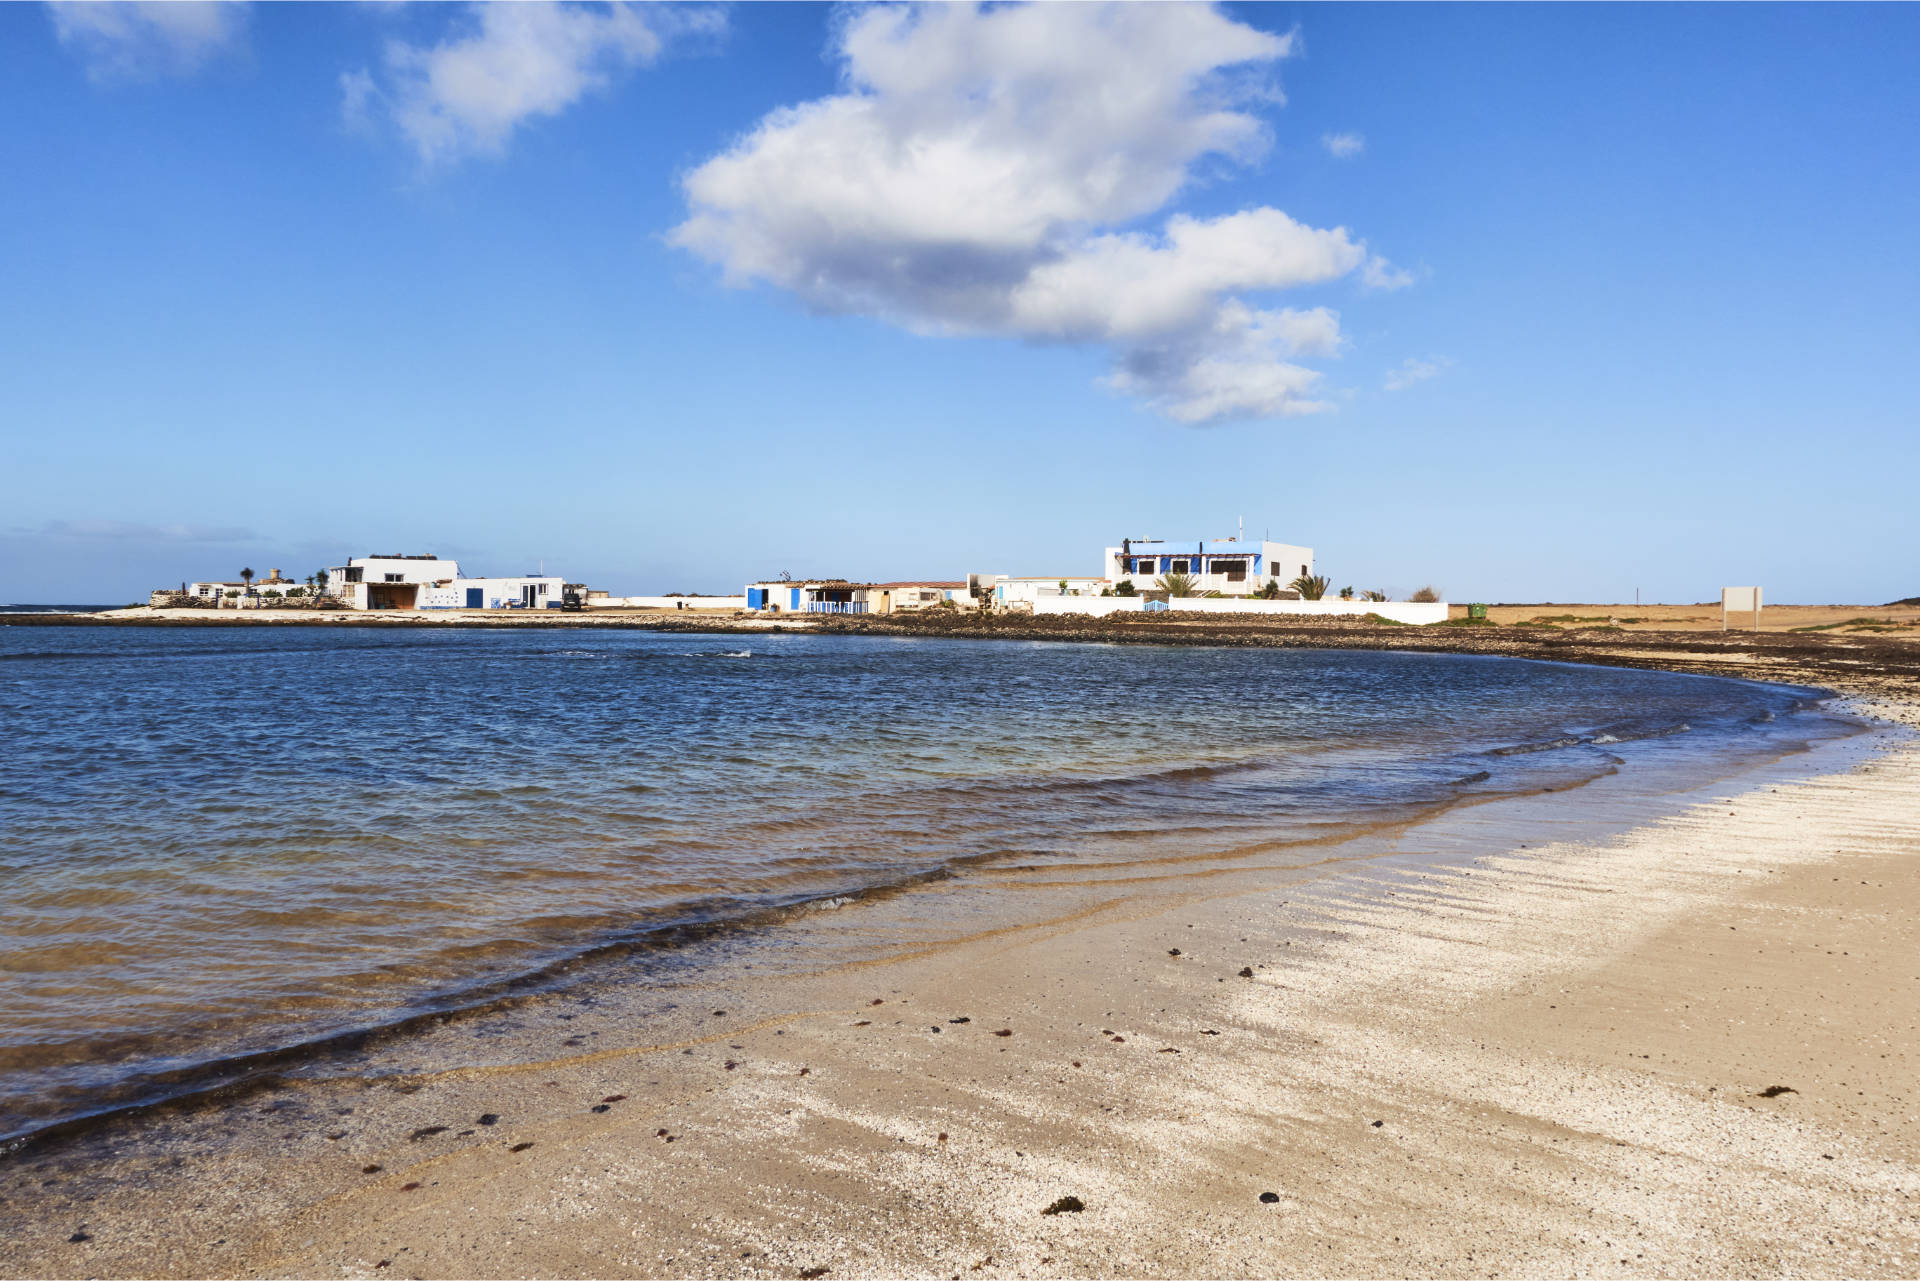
{"x": 78, "y": 1237}
{"x": 603, "y": 1107}
{"x": 806, "y": 1071}
{"x": 1005, "y": 1031}
{"x": 615, "y": 1098}
{"x": 877, "y": 1001}
{"x": 1066, "y": 1205}
{"x": 1269, "y": 1198}
{"x": 488, "y": 1118}
{"x": 1775, "y": 1091}
{"x": 426, "y": 1132}
{"x": 1246, "y": 971}
{"x": 962, "y": 1019}
{"x": 808, "y": 1274}
{"x": 1378, "y": 1124}
{"x": 1119, "y": 1040}
{"x": 1173, "y": 951}
{"x": 336, "y": 1136}
{"x": 520, "y": 1147}
{"x": 369, "y": 1169}
{"x": 408, "y": 1187}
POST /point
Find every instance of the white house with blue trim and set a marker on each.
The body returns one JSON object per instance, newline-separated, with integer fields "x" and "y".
{"x": 838, "y": 596}
{"x": 1230, "y": 566}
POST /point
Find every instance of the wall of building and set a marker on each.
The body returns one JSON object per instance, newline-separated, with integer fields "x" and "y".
{"x": 1024, "y": 591}
{"x": 494, "y": 593}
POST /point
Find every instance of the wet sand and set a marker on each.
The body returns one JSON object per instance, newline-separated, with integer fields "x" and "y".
{"x": 1551, "y": 1060}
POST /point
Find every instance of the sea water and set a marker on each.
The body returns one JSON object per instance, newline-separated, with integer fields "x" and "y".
{"x": 217, "y": 844}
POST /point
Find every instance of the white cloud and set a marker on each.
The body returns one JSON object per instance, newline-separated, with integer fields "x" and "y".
{"x": 977, "y": 175}
{"x": 1343, "y": 146}
{"x": 1381, "y": 274}
{"x": 1413, "y": 370}
{"x": 510, "y": 62}
{"x": 142, "y": 39}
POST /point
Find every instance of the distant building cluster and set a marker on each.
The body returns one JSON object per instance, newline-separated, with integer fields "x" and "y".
{"x": 1230, "y": 575}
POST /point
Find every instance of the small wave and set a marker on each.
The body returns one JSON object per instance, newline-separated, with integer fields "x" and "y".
{"x": 1629, "y": 736}
{"x": 1522, "y": 749}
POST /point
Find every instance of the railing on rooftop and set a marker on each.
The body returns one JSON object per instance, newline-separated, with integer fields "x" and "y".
{"x": 836, "y": 607}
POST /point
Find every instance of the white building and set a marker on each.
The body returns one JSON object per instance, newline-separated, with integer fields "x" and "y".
{"x": 428, "y": 582}
{"x": 531, "y": 591}
{"x": 387, "y": 582}
{"x": 838, "y": 596}
{"x": 1230, "y": 566}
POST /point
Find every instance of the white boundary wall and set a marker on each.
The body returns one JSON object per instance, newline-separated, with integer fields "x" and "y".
{"x": 669, "y": 602}
{"x": 1419, "y": 613}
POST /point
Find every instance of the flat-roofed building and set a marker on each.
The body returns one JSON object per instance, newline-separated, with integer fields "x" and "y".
{"x": 1230, "y": 566}
{"x": 388, "y": 582}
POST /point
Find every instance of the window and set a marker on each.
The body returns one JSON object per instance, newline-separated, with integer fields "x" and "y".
{"x": 1235, "y": 570}
{"x": 1179, "y": 567}
{"x": 394, "y": 578}
{"x": 353, "y": 574}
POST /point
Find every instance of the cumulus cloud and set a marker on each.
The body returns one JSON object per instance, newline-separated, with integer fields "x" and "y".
{"x": 978, "y": 174}
{"x": 143, "y": 39}
{"x": 1413, "y": 370}
{"x": 508, "y": 63}
{"x": 1343, "y": 146}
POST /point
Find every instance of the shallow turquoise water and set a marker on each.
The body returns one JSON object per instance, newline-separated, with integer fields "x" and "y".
{"x": 221, "y": 842}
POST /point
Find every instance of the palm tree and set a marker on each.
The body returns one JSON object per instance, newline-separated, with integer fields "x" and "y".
{"x": 1311, "y": 586}
{"x": 246, "y": 576}
{"x": 1373, "y": 595}
{"x": 1178, "y": 584}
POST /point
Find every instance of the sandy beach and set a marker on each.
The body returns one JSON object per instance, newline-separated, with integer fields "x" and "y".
{"x": 1500, "y": 1044}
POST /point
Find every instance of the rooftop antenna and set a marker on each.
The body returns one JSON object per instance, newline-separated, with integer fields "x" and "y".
{"x": 1242, "y": 532}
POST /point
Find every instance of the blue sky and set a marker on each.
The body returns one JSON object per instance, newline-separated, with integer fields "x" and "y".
{"x": 1532, "y": 303}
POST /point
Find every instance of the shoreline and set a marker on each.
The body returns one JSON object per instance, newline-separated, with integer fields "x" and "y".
{"x": 1859, "y": 660}
{"x": 805, "y": 1193}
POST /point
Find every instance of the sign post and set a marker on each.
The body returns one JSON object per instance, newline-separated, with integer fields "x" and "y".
{"x": 1739, "y": 599}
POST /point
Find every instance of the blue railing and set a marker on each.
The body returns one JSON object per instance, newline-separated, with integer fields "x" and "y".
{"x": 836, "y": 607}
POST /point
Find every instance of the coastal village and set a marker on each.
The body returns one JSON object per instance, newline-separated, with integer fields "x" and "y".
{"x": 1221, "y": 576}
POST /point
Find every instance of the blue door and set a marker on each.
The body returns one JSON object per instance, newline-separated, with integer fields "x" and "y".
{"x": 756, "y": 596}
{"x": 475, "y": 597}
{"x": 794, "y": 602}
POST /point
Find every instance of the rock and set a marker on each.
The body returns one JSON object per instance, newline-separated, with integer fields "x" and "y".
{"x": 1269, "y": 1198}
{"x": 1066, "y": 1205}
